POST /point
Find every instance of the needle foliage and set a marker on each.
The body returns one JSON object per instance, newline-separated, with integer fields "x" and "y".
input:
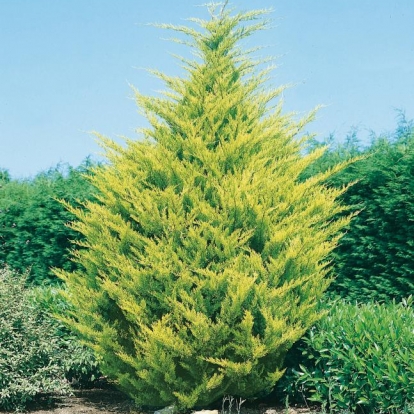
{"x": 204, "y": 257}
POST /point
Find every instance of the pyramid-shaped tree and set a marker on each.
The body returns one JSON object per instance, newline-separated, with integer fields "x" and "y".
{"x": 204, "y": 258}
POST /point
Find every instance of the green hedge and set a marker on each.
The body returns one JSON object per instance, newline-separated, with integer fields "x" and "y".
{"x": 33, "y": 231}
{"x": 359, "y": 357}
{"x": 374, "y": 260}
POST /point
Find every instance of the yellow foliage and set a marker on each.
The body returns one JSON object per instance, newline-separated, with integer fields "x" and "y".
{"x": 205, "y": 254}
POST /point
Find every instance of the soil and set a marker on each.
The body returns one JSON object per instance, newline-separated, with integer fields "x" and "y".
{"x": 110, "y": 401}
{"x": 94, "y": 401}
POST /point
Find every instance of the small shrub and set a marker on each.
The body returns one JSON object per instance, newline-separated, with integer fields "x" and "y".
{"x": 80, "y": 365}
{"x": 37, "y": 354}
{"x": 358, "y": 357}
{"x": 29, "y": 347}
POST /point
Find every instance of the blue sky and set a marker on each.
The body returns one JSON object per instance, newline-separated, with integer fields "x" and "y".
{"x": 66, "y": 67}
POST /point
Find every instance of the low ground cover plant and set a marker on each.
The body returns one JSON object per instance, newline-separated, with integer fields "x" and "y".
{"x": 359, "y": 357}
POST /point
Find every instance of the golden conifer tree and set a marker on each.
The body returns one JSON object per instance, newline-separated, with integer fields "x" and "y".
{"x": 204, "y": 257}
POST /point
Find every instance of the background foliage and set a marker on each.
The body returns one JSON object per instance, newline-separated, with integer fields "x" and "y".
{"x": 375, "y": 258}
{"x": 33, "y": 235}
{"x": 79, "y": 363}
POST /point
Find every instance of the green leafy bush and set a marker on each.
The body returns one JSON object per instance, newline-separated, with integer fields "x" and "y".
{"x": 37, "y": 354}
{"x": 80, "y": 365}
{"x": 30, "y": 359}
{"x": 33, "y": 231}
{"x": 358, "y": 357}
{"x": 204, "y": 259}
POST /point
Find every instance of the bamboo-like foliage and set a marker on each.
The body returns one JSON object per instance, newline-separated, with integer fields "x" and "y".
{"x": 204, "y": 257}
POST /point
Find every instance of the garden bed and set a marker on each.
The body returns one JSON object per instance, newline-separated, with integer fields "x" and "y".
{"x": 110, "y": 401}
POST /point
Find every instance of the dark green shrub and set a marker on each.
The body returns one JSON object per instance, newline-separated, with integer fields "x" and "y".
{"x": 33, "y": 231}
{"x": 80, "y": 365}
{"x": 4, "y": 177}
{"x": 375, "y": 259}
{"x": 30, "y": 360}
{"x": 358, "y": 357}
